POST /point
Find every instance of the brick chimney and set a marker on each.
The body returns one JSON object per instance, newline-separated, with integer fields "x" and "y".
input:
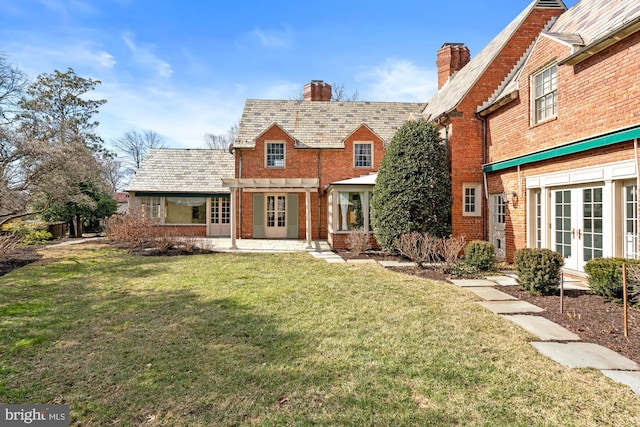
{"x": 451, "y": 58}
{"x": 317, "y": 90}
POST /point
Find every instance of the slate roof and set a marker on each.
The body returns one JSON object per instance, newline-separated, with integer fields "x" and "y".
{"x": 454, "y": 91}
{"x": 583, "y": 24}
{"x": 593, "y": 19}
{"x": 321, "y": 124}
{"x": 184, "y": 171}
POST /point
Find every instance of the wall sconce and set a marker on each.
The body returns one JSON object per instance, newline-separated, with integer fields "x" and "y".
{"x": 514, "y": 199}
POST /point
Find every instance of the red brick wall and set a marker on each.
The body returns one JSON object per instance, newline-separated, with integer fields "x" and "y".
{"x": 338, "y": 241}
{"x": 466, "y": 134}
{"x": 335, "y": 165}
{"x": 187, "y": 230}
{"x": 595, "y": 96}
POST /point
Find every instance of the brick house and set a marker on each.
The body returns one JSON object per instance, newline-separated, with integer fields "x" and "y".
{"x": 560, "y": 156}
{"x": 294, "y": 160}
{"x": 464, "y": 86}
{"x": 182, "y": 189}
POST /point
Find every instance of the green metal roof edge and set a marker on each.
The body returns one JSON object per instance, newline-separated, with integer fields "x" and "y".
{"x": 564, "y": 150}
{"x": 151, "y": 194}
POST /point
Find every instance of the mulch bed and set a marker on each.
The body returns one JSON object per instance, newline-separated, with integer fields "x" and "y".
{"x": 19, "y": 257}
{"x": 592, "y": 317}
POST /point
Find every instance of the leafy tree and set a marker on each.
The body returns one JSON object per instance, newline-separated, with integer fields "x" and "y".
{"x": 413, "y": 188}
{"x": 51, "y": 149}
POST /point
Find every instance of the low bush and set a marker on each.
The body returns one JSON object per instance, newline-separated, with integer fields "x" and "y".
{"x": 427, "y": 250}
{"x": 481, "y": 255}
{"x": 605, "y": 277}
{"x": 30, "y": 232}
{"x": 539, "y": 270}
{"x": 133, "y": 228}
{"x": 358, "y": 240}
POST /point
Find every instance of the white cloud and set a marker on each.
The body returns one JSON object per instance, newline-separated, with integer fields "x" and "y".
{"x": 400, "y": 80}
{"x": 143, "y": 54}
{"x": 276, "y": 39}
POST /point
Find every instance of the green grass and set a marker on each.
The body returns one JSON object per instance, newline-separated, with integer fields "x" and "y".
{"x": 275, "y": 340}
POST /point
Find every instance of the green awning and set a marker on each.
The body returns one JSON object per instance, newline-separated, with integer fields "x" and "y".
{"x": 564, "y": 150}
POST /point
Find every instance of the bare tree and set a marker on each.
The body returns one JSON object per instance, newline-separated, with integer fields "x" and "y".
{"x": 13, "y": 83}
{"x": 134, "y": 145}
{"x": 221, "y": 141}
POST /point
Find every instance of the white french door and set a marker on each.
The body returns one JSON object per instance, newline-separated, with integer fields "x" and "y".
{"x": 220, "y": 223}
{"x": 577, "y": 227}
{"x": 276, "y": 216}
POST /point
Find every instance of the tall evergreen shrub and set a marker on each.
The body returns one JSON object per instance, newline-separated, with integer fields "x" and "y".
{"x": 413, "y": 188}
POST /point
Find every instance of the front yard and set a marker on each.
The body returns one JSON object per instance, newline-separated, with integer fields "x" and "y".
{"x": 275, "y": 340}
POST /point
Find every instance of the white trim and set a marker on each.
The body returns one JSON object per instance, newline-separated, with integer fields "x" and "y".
{"x": 284, "y": 154}
{"x": 370, "y": 144}
{"x": 477, "y": 211}
{"x": 610, "y": 171}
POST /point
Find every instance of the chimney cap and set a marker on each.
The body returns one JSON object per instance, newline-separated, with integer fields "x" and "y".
{"x": 452, "y": 44}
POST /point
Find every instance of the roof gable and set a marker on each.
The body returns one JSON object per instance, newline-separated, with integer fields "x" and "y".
{"x": 183, "y": 171}
{"x": 320, "y": 124}
{"x": 459, "y": 85}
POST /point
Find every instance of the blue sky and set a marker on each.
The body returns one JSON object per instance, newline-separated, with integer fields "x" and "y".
{"x": 184, "y": 68}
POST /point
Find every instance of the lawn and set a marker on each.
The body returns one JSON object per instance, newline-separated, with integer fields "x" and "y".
{"x": 275, "y": 339}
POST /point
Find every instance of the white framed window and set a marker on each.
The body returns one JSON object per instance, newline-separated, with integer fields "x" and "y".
{"x": 471, "y": 199}
{"x": 151, "y": 206}
{"x": 274, "y": 154}
{"x": 544, "y": 94}
{"x": 363, "y": 154}
{"x": 538, "y": 218}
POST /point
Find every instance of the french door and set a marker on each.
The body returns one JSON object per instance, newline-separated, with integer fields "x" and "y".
{"x": 498, "y": 217}
{"x": 276, "y": 216}
{"x": 220, "y": 224}
{"x": 577, "y": 227}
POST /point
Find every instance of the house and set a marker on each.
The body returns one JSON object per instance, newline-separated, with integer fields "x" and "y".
{"x": 464, "y": 86}
{"x": 123, "y": 201}
{"x": 294, "y": 160}
{"x": 560, "y": 152}
{"x": 182, "y": 189}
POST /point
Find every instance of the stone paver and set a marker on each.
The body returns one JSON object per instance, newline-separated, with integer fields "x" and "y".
{"x": 503, "y": 280}
{"x": 469, "y": 283}
{"x": 490, "y": 294}
{"x": 510, "y": 307}
{"x": 542, "y": 328}
{"x": 630, "y": 378}
{"x": 585, "y": 355}
{"x": 361, "y": 261}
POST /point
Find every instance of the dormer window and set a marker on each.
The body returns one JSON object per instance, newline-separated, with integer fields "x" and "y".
{"x": 274, "y": 154}
{"x": 544, "y": 92}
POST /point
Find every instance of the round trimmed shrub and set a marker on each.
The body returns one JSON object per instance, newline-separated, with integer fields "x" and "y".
{"x": 481, "y": 255}
{"x": 539, "y": 270}
{"x": 605, "y": 276}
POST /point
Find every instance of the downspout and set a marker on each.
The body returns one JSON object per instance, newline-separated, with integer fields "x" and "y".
{"x": 319, "y": 197}
{"x": 635, "y": 150}
{"x": 484, "y": 177}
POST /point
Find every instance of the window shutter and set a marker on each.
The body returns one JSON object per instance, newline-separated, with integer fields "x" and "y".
{"x": 258, "y": 216}
{"x": 292, "y": 216}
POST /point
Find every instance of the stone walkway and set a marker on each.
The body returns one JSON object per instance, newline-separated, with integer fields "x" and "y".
{"x": 555, "y": 342}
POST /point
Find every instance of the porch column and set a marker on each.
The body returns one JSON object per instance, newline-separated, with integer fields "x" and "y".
{"x": 307, "y": 205}
{"x": 234, "y": 190}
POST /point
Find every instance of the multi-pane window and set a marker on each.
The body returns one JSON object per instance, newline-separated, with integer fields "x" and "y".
{"x": 563, "y": 222}
{"x": 592, "y": 223}
{"x": 631, "y": 222}
{"x": 220, "y": 210}
{"x": 353, "y": 210}
{"x": 275, "y": 154}
{"x": 471, "y": 199}
{"x": 363, "y": 155}
{"x": 545, "y": 94}
{"x": 151, "y": 206}
{"x": 499, "y": 209}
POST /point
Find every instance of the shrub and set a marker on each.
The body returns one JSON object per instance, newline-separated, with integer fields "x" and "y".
{"x": 133, "y": 228}
{"x": 358, "y": 240}
{"x": 425, "y": 249}
{"x": 605, "y": 276}
{"x": 538, "y": 270}
{"x": 413, "y": 187}
{"x": 480, "y": 255}
{"x": 7, "y": 243}
{"x": 30, "y": 232}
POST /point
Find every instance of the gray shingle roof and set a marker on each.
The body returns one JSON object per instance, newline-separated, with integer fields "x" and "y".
{"x": 319, "y": 124}
{"x": 450, "y": 95}
{"x": 592, "y": 19}
{"x": 184, "y": 171}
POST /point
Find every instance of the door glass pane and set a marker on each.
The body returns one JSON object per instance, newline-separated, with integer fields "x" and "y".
{"x": 631, "y": 221}
{"x": 592, "y": 223}
{"x": 563, "y": 222}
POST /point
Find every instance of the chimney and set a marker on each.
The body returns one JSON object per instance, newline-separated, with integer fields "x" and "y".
{"x": 317, "y": 90}
{"x": 451, "y": 58}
